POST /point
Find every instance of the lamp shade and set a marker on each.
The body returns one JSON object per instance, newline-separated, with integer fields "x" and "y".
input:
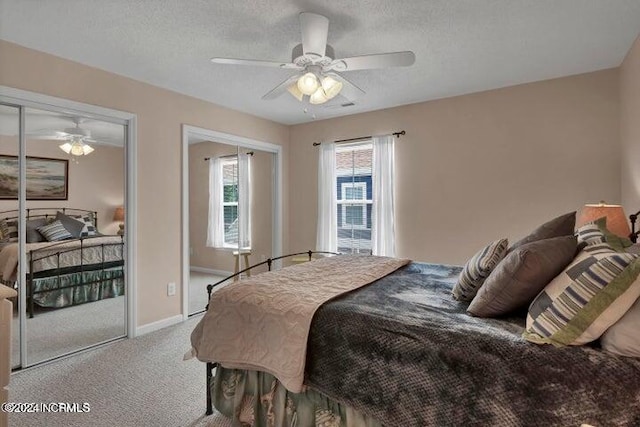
{"x": 616, "y": 218}
{"x": 118, "y": 214}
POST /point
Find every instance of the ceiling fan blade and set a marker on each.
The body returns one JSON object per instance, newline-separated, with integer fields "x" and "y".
{"x": 367, "y": 62}
{"x": 349, "y": 90}
{"x": 314, "y": 29}
{"x": 253, "y": 62}
{"x": 281, "y": 88}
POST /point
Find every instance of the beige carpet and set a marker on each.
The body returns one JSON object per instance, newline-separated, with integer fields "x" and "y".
{"x": 138, "y": 382}
{"x": 198, "y": 289}
{"x": 54, "y": 332}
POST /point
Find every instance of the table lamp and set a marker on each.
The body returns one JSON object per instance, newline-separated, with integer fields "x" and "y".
{"x": 118, "y": 215}
{"x": 616, "y": 218}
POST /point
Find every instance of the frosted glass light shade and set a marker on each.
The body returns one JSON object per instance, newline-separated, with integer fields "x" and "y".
{"x": 308, "y": 83}
{"x": 318, "y": 97}
{"x": 616, "y": 218}
{"x": 76, "y": 148}
{"x": 66, "y": 147}
{"x": 331, "y": 87}
{"x": 293, "y": 90}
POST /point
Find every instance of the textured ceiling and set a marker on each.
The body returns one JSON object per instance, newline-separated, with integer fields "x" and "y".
{"x": 461, "y": 46}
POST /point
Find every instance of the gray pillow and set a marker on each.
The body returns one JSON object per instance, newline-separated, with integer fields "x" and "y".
{"x": 622, "y": 338}
{"x": 73, "y": 226}
{"x": 563, "y": 225}
{"x": 521, "y": 275}
{"x": 33, "y": 235}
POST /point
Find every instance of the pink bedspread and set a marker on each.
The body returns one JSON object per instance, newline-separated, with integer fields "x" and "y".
{"x": 263, "y": 323}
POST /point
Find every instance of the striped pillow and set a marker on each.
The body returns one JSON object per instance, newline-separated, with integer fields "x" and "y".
{"x": 589, "y": 296}
{"x": 477, "y": 269}
{"x": 590, "y": 234}
{"x": 54, "y": 232}
{"x": 9, "y": 230}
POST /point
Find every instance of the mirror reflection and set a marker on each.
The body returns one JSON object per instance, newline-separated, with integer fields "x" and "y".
{"x": 74, "y": 247}
{"x": 230, "y": 209}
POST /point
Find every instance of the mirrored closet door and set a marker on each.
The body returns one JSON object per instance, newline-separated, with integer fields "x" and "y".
{"x": 66, "y": 227}
{"x": 230, "y": 213}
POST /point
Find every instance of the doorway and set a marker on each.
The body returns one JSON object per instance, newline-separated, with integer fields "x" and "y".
{"x": 238, "y": 181}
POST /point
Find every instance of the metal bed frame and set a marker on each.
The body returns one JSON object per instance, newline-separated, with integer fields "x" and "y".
{"x": 269, "y": 262}
{"x": 59, "y": 271}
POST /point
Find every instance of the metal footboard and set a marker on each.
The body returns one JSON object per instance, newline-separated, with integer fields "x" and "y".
{"x": 269, "y": 262}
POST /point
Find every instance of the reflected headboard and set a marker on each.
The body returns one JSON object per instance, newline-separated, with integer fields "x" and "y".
{"x": 46, "y": 213}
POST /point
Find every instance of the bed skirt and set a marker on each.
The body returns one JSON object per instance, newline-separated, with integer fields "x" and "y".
{"x": 259, "y": 399}
{"x": 66, "y": 289}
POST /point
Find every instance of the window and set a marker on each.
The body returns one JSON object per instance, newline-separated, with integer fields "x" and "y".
{"x": 354, "y": 197}
{"x": 230, "y": 201}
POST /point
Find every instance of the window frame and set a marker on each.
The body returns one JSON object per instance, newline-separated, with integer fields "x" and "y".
{"x": 362, "y": 203}
{"x": 223, "y": 163}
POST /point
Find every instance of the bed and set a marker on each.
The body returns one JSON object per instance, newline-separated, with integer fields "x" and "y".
{"x": 402, "y": 351}
{"x": 68, "y": 272}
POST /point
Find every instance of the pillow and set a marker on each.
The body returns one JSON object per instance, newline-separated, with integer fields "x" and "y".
{"x": 33, "y": 235}
{"x": 521, "y": 275}
{"x": 88, "y": 228}
{"x": 478, "y": 268}
{"x": 9, "y": 230}
{"x": 55, "y": 231}
{"x": 563, "y": 225}
{"x": 590, "y": 234}
{"x": 622, "y": 338}
{"x": 589, "y": 296}
{"x": 73, "y": 226}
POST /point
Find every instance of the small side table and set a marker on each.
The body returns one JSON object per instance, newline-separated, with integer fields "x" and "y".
{"x": 244, "y": 253}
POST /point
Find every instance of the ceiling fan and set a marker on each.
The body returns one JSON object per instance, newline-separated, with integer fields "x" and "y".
{"x": 77, "y": 138}
{"x": 318, "y": 71}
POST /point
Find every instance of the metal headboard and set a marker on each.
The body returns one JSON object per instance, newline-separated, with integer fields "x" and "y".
{"x": 47, "y": 213}
{"x": 634, "y": 234}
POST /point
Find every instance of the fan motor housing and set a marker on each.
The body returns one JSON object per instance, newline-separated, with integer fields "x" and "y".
{"x": 299, "y": 58}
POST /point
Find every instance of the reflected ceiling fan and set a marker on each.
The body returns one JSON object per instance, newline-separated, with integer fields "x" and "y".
{"x": 318, "y": 71}
{"x": 77, "y": 138}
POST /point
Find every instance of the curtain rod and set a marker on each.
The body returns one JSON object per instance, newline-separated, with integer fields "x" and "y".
{"x": 397, "y": 134}
{"x": 249, "y": 153}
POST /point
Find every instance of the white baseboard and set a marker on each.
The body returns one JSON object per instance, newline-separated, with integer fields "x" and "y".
{"x": 154, "y": 326}
{"x": 210, "y": 271}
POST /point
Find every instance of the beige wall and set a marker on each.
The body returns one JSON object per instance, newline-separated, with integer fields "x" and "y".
{"x": 630, "y": 128}
{"x": 160, "y": 115}
{"x": 261, "y": 207}
{"x": 96, "y": 181}
{"x": 479, "y": 167}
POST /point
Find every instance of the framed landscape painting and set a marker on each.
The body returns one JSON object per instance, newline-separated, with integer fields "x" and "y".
{"x": 47, "y": 179}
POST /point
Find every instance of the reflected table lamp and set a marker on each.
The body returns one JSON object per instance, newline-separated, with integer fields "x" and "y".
{"x": 616, "y": 218}
{"x": 118, "y": 215}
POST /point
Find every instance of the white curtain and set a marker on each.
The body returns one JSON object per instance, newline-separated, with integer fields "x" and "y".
{"x": 244, "y": 201}
{"x": 383, "y": 228}
{"x": 215, "y": 229}
{"x": 326, "y": 237}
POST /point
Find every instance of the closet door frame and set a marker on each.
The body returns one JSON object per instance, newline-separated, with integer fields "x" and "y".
{"x": 26, "y": 99}
{"x": 241, "y": 142}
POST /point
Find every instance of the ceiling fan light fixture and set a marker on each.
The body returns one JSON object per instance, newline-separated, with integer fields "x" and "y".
{"x": 87, "y": 149}
{"x": 66, "y": 147}
{"x": 331, "y": 87}
{"x": 308, "y": 84}
{"x": 318, "y": 97}
{"x": 295, "y": 91}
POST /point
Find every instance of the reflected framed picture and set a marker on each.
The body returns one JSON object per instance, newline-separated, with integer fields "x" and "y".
{"x": 47, "y": 179}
